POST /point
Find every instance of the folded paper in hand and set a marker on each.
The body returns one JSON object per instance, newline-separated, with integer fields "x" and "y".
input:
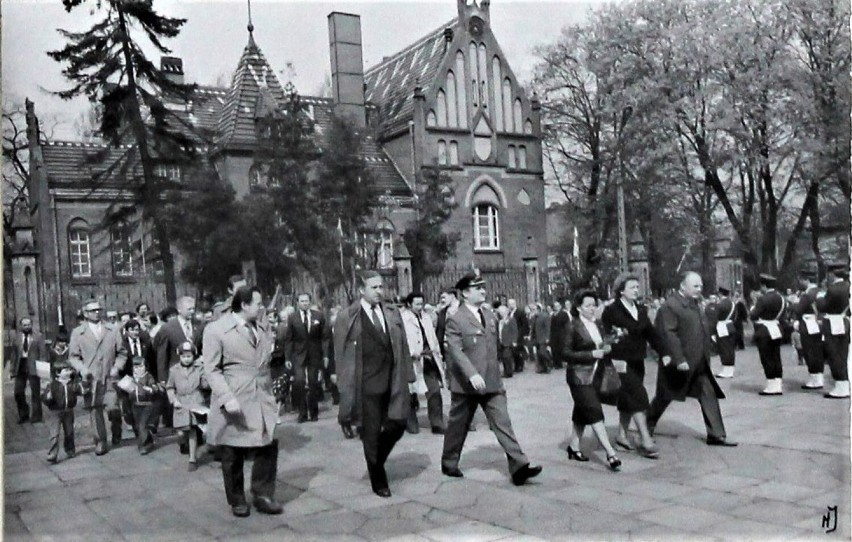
{"x": 127, "y": 384}
{"x": 42, "y": 370}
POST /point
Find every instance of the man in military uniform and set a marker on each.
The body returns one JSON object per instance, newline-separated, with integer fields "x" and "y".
{"x": 835, "y": 330}
{"x": 724, "y": 332}
{"x": 767, "y": 333}
{"x": 810, "y": 333}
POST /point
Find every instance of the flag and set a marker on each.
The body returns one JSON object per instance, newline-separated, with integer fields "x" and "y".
{"x": 576, "y": 252}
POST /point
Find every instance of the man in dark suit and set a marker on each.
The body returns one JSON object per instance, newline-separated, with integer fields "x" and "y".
{"x": 374, "y": 369}
{"x": 810, "y": 334}
{"x": 724, "y": 333}
{"x": 27, "y": 348}
{"x": 560, "y": 319}
{"x": 306, "y": 350}
{"x": 541, "y": 339}
{"x": 740, "y": 316}
{"x": 174, "y": 333}
{"x": 768, "y": 336}
{"x": 508, "y": 337}
{"x": 475, "y": 381}
{"x": 835, "y": 330}
{"x": 138, "y": 344}
{"x": 523, "y": 330}
{"x": 685, "y": 371}
{"x": 449, "y": 305}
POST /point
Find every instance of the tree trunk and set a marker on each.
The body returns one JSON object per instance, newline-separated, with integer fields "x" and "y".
{"x": 790, "y": 248}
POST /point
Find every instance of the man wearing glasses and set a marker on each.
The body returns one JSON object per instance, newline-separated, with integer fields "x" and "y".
{"x": 97, "y": 352}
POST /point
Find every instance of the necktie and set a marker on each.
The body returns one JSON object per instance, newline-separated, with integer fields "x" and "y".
{"x": 187, "y": 329}
{"x": 138, "y": 348}
{"x": 377, "y": 319}
{"x": 422, "y": 333}
{"x": 26, "y": 344}
{"x": 481, "y": 317}
{"x": 306, "y": 320}
{"x": 252, "y": 334}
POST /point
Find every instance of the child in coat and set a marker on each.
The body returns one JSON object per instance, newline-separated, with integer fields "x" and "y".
{"x": 144, "y": 400}
{"x": 60, "y": 396}
{"x": 184, "y": 389}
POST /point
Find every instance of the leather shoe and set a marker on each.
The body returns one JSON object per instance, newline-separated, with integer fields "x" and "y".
{"x": 383, "y": 492}
{"x": 314, "y": 417}
{"x": 302, "y": 418}
{"x": 765, "y": 393}
{"x": 241, "y": 510}
{"x": 713, "y": 441}
{"x": 455, "y": 472}
{"x": 268, "y": 505}
{"x": 525, "y": 473}
{"x": 23, "y": 419}
{"x": 437, "y": 430}
{"x": 830, "y": 396}
{"x": 347, "y": 431}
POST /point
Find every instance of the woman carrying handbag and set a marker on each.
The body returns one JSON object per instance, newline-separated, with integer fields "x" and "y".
{"x": 628, "y": 354}
{"x": 584, "y": 351}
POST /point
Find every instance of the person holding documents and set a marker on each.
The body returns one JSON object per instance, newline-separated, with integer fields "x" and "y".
{"x": 765, "y": 314}
{"x": 186, "y": 380}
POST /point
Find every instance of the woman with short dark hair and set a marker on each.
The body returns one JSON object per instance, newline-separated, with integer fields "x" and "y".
{"x": 583, "y": 350}
{"x": 625, "y": 313}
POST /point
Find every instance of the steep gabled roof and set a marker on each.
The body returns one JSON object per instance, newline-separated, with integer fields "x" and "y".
{"x": 253, "y": 77}
{"x": 74, "y": 164}
{"x": 390, "y": 84}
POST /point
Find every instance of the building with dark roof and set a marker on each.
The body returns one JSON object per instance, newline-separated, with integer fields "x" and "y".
{"x": 450, "y": 100}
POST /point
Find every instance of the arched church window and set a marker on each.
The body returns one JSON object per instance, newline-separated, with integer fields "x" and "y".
{"x": 79, "y": 249}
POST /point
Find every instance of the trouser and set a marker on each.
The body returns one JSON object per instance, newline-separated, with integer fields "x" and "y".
{"x": 26, "y": 411}
{"x": 379, "y": 434}
{"x": 739, "y": 336}
{"x": 127, "y": 408}
{"x": 727, "y": 350}
{"x": 330, "y": 386}
{"x": 63, "y": 423}
{"x": 462, "y": 408}
{"x": 434, "y": 402}
{"x": 263, "y": 471}
{"x": 812, "y": 350}
{"x": 837, "y": 351}
{"x": 556, "y": 355}
{"x": 519, "y": 352}
{"x": 507, "y": 358}
{"x": 103, "y": 397}
{"x": 769, "y": 351}
{"x": 306, "y": 390}
{"x": 543, "y": 359}
{"x": 143, "y": 414}
{"x": 706, "y": 395}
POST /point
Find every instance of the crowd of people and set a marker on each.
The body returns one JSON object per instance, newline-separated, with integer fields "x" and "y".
{"x": 227, "y": 376}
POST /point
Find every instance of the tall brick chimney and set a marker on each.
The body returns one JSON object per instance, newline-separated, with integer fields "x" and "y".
{"x": 172, "y": 66}
{"x": 347, "y": 66}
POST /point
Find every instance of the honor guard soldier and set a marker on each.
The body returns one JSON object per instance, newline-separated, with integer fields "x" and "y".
{"x": 767, "y": 333}
{"x": 810, "y": 332}
{"x": 724, "y": 333}
{"x": 835, "y": 330}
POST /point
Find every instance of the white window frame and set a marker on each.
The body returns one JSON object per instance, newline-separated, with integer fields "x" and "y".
{"x": 79, "y": 249}
{"x": 384, "y": 252}
{"x": 121, "y": 246}
{"x": 490, "y": 222}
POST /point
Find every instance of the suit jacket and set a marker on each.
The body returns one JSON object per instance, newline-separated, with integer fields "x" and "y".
{"x": 557, "y": 330}
{"x": 523, "y": 322}
{"x": 305, "y": 348}
{"x": 148, "y": 353}
{"x": 37, "y": 351}
{"x": 541, "y": 329}
{"x": 348, "y": 364}
{"x": 472, "y": 349}
{"x": 686, "y": 338}
{"x": 441, "y": 328}
{"x": 577, "y": 353}
{"x": 640, "y": 332}
{"x": 508, "y": 332}
{"x": 236, "y": 369}
{"x": 415, "y": 341}
{"x": 168, "y": 339}
{"x": 97, "y": 356}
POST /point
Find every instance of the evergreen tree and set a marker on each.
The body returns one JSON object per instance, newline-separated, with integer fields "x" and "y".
{"x": 427, "y": 243}
{"x": 107, "y": 64}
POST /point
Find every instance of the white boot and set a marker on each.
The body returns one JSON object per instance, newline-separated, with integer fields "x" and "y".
{"x": 840, "y": 391}
{"x": 773, "y": 387}
{"x": 726, "y": 372}
{"x": 815, "y": 382}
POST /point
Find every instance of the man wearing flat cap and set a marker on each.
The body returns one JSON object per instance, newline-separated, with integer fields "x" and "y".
{"x": 766, "y": 314}
{"x": 835, "y": 329}
{"x": 810, "y": 333}
{"x": 97, "y": 352}
{"x": 724, "y": 332}
{"x": 474, "y": 374}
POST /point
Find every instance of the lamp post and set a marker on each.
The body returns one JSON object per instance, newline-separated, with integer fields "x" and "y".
{"x": 622, "y": 218}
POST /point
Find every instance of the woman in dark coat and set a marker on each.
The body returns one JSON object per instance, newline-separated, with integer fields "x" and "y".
{"x": 632, "y": 318}
{"x": 582, "y": 350}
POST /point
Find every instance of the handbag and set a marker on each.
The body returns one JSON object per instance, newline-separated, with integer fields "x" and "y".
{"x": 608, "y": 383}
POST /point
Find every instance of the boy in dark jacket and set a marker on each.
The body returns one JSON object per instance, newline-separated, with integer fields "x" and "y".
{"x": 144, "y": 399}
{"x": 60, "y": 396}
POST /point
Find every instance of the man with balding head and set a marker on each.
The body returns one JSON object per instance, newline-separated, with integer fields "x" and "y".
{"x": 686, "y": 336}
{"x": 174, "y": 333}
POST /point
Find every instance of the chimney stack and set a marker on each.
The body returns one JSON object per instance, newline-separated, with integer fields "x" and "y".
{"x": 172, "y": 66}
{"x": 347, "y": 67}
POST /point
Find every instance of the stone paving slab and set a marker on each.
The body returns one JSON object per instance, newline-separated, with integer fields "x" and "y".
{"x": 792, "y": 462}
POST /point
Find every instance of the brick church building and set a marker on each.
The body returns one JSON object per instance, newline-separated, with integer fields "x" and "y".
{"x": 449, "y": 100}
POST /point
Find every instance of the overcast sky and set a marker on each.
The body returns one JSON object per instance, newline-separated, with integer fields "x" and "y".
{"x": 289, "y": 33}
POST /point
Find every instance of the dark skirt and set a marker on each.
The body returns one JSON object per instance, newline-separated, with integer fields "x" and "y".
{"x": 633, "y": 397}
{"x": 587, "y": 405}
